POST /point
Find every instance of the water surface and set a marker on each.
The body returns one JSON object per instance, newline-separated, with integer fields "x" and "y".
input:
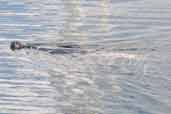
{"x": 126, "y": 69}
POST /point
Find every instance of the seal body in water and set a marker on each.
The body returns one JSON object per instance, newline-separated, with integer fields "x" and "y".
{"x": 61, "y": 49}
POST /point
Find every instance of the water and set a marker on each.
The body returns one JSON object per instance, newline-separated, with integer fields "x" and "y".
{"x": 127, "y": 69}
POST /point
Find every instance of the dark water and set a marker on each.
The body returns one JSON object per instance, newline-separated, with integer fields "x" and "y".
{"x": 127, "y": 69}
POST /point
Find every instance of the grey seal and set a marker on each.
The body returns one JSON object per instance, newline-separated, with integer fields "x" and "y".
{"x": 60, "y": 49}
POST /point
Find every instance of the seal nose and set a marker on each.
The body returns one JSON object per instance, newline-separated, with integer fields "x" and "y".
{"x": 12, "y": 46}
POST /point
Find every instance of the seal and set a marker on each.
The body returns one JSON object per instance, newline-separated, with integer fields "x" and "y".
{"x": 61, "y": 49}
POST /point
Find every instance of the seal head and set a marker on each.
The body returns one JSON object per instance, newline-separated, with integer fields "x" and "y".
{"x": 15, "y": 45}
